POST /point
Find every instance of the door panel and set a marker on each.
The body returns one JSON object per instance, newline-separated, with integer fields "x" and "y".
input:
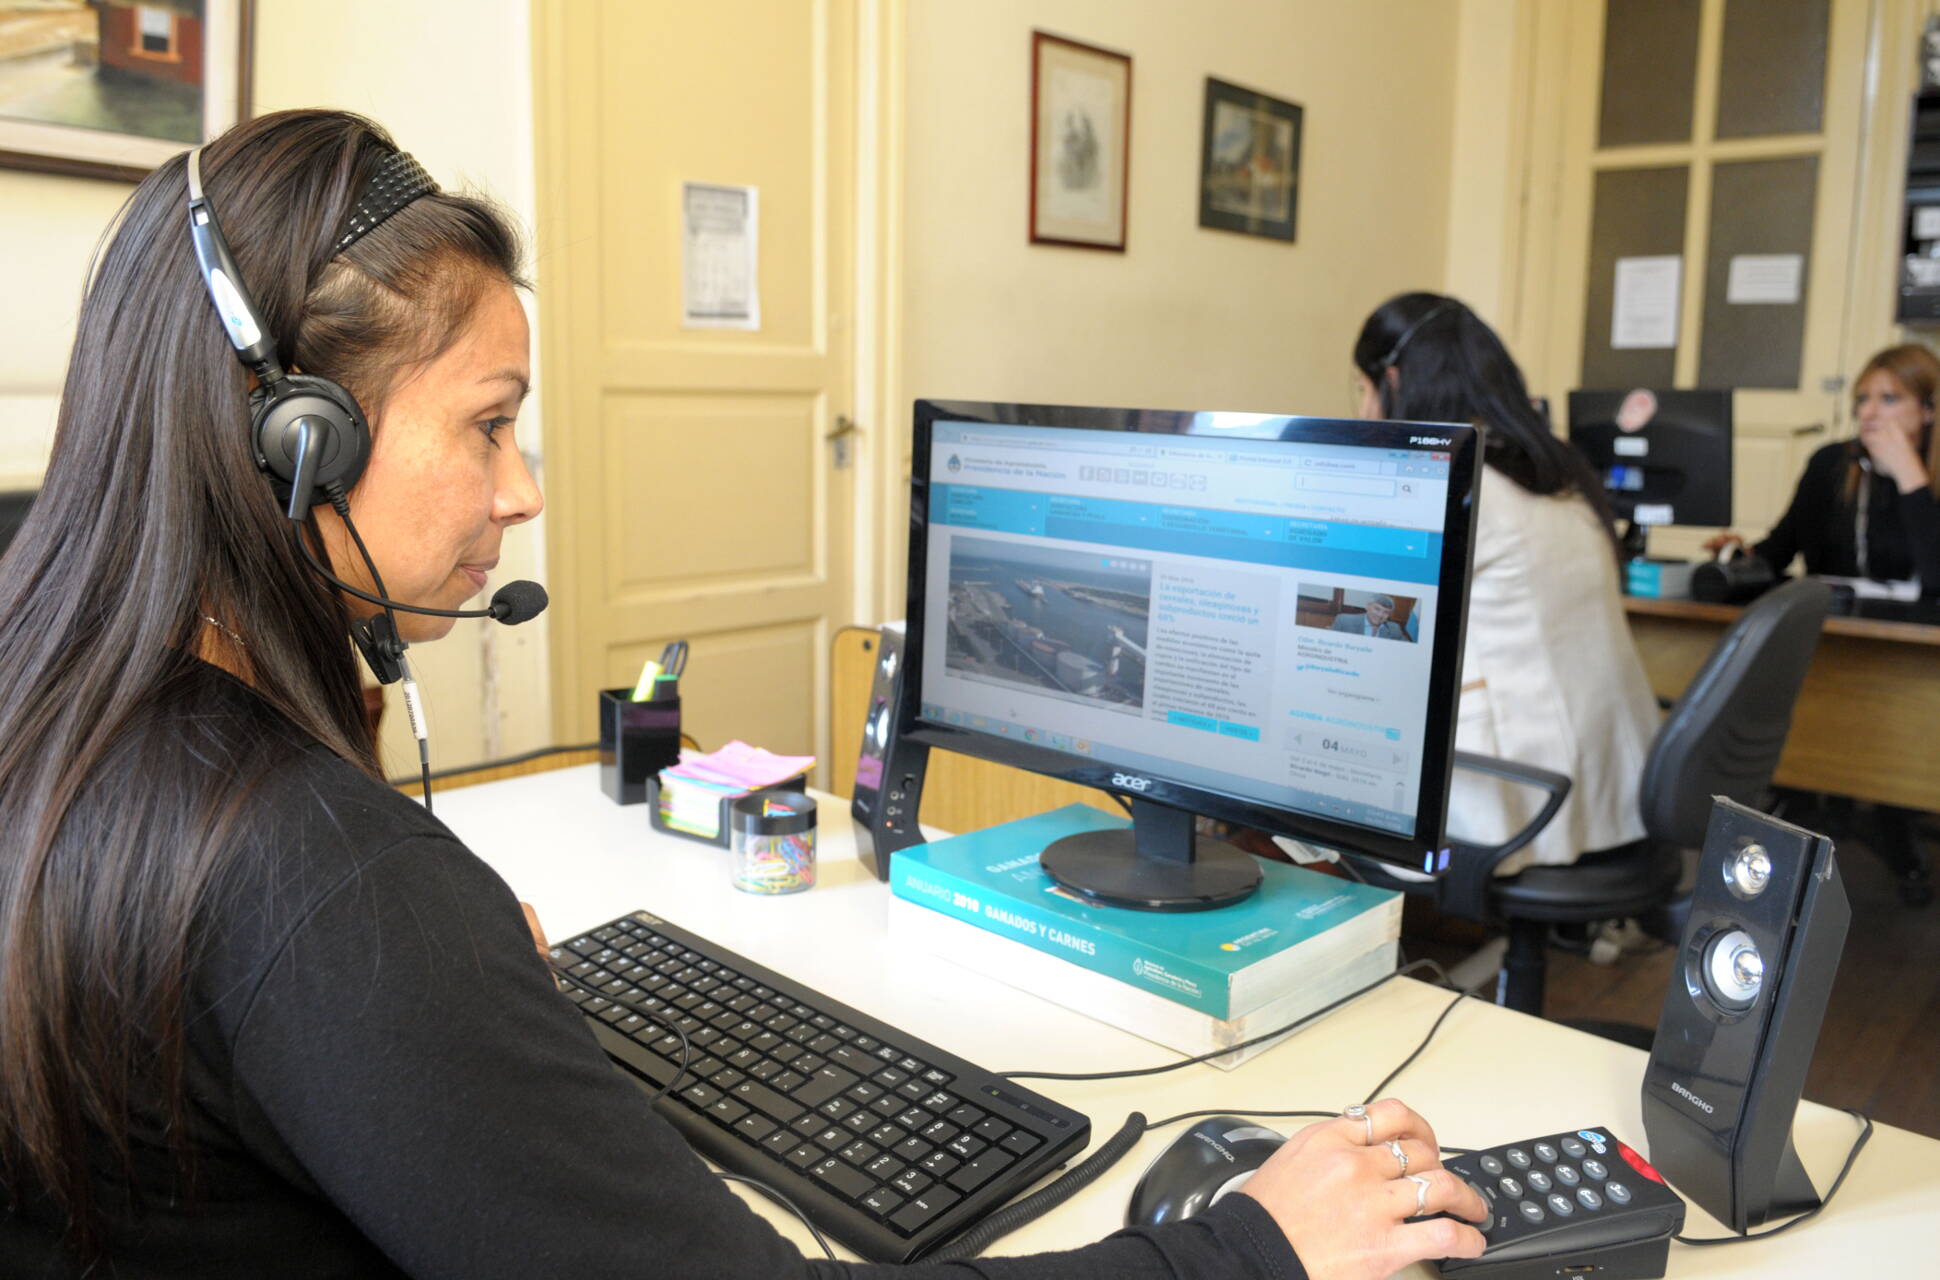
{"x": 694, "y": 493}
{"x": 1730, "y": 142}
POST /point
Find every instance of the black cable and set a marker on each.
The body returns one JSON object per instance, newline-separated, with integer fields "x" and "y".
{"x": 1858, "y": 1145}
{"x": 503, "y": 762}
{"x": 686, "y": 1046}
{"x": 785, "y": 1203}
{"x": 1234, "y": 1048}
{"x": 1461, "y": 994}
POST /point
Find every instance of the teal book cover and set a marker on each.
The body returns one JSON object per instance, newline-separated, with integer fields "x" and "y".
{"x": 1222, "y": 962}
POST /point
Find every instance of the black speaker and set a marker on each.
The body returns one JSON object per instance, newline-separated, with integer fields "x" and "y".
{"x": 889, "y": 772}
{"x": 1747, "y": 996}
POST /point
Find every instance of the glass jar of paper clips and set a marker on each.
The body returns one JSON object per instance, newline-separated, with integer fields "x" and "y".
{"x": 774, "y": 842}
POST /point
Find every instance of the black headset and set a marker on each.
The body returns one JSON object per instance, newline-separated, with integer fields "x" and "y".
{"x": 1393, "y": 357}
{"x": 309, "y": 434}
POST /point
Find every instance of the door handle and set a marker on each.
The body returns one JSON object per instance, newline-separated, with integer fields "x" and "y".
{"x": 844, "y": 428}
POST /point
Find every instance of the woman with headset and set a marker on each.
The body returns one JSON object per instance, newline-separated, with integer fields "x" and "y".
{"x": 260, "y": 1013}
{"x": 1550, "y": 676}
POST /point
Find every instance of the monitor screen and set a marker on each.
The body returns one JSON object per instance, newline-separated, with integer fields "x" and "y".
{"x": 1251, "y": 617}
{"x": 1664, "y": 456}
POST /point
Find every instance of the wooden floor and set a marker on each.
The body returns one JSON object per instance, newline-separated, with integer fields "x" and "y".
{"x": 1879, "y": 1051}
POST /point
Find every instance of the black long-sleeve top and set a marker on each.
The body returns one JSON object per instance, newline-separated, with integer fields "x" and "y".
{"x": 385, "y": 1082}
{"x": 1901, "y": 530}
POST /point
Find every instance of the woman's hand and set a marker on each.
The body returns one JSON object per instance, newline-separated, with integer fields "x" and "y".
{"x": 1342, "y": 1203}
{"x": 1724, "y": 540}
{"x": 538, "y": 931}
{"x": 1894, "y": 456}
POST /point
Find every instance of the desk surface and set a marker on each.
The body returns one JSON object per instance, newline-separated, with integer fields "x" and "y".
{"x": 1490, "y": 1075}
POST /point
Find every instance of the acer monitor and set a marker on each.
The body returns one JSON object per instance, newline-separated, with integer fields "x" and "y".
{"x": 1252, "y": 617}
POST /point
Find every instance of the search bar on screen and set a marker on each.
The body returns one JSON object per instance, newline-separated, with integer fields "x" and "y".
{"x": 1347, "y": 484}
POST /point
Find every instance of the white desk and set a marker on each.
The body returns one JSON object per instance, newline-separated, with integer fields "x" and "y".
{"x": 1490, "y": 1076}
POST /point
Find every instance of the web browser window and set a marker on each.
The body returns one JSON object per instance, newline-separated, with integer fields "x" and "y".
{"x": 1255, "y": 617}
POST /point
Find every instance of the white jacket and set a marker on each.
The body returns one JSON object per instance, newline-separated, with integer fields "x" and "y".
{"x": 1550, "y": 677}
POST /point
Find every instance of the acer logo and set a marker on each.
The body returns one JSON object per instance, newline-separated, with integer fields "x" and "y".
{"x": 1691, "y": 1098}
{"x": 1128, "y": 782}
{"x": 1431, "y": 440}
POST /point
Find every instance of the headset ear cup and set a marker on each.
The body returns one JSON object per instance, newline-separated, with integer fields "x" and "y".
{"x": 339, "y": 435}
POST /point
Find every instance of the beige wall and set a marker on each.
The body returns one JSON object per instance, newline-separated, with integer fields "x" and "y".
{"x": 1187, "y": 317}
{"x": 452, "y": 80}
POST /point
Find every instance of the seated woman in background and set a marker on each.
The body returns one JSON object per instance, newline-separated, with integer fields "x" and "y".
{"x": 1869, "y": 507}
{"x": 1549, "y": 674}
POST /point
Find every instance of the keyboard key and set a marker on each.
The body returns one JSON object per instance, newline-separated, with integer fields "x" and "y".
{"x": 990, "y": 1129}
{"x": 965, "y": 1116}
{"x": 768, "y": 1102}
{"x": 938, "y": 1164}
{"x": 851, "y": 1183}
{"x": 822, "y": 1086}
{"x": 883, "y": 1167}
{"x": 755, "y": 1127}
{"x": 911, "y": 1181}
{"x": 881, "y": 1202}
{"x": 912, "y": 1149}
{"x": 726, "y": 1111}
{"x": 859, "y": 1153}
{"x": 981, "y": 1170}
{"x": 912, "y": 1216}
{"x": 1018, "y": 1142}
{"x": 781, "y": 1142}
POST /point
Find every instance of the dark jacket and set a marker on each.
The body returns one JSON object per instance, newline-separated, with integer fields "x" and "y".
{"x": 384, "y": 1082}
{"x": 1899, "y": 536}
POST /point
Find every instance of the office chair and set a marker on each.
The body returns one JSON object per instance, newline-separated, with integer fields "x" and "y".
{"x": 1722, "y": 737}
{"x": 13, "y": 514}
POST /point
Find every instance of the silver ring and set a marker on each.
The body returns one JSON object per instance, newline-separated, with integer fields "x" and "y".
{"x": 1421, "y": 1192}
{"x": 1359, "y": 1112}
{"x": 1394, "y": 1146}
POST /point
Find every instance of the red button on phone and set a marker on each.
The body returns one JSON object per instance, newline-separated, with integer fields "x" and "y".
{"x": 1637, "y": 1162}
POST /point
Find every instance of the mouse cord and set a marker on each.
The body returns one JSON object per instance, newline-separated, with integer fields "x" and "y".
{"x": 1274, "y": 1034}
{"x": 785, "y": 1203}
{"x": 686, "y": 1046}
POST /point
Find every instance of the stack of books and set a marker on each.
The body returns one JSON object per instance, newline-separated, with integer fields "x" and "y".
{"x": 1197, "y": 981}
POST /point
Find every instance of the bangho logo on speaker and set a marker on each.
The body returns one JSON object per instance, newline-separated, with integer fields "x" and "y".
{"x": 1692, "y": 1098}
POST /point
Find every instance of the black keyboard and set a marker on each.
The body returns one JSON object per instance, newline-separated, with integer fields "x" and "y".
{"x": 887, "y": 1143}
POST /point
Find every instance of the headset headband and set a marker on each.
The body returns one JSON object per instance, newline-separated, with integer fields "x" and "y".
{"x": 1407, "y": 335}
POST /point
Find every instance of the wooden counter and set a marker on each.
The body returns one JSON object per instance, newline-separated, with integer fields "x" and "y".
{"x": 1867, "y": 718}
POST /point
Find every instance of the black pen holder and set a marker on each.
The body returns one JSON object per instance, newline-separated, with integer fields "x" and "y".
{"x": 637, "y": 741}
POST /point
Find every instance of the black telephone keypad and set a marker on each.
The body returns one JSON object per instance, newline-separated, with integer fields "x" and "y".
{"x": 1570, "y": 1201}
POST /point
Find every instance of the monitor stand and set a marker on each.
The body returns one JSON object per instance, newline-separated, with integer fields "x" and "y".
{"x": 1635, "y": 540}
{"x": 1159, "y": 864}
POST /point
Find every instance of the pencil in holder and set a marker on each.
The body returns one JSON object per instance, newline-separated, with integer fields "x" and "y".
{"x": 637, "y": 741}
{"x": 774, "y": 842}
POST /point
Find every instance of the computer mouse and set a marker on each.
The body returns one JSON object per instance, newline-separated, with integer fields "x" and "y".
{"x": 1204, "y": 1163}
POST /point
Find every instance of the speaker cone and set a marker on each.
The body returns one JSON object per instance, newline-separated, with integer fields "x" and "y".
{"x": 1733, "y": 970}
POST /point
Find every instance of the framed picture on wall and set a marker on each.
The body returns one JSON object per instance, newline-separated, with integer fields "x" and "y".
{"x": 1081, "y": 129}
{"x": 111, "y": 88}
{"x": 1249, "y": 162}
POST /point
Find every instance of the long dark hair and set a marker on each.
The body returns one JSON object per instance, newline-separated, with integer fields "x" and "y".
{"x": 119, "y": 807}
{"x": 1451, "y": 367}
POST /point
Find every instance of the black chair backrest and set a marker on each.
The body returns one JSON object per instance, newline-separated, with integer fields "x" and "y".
{"x": 1724, "y": 736}
{"x": 13, "y": 514}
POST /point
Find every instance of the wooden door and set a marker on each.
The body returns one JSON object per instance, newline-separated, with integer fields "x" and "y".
{"x": 694, "y": 491}
{"x": 1725, "y": 132}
